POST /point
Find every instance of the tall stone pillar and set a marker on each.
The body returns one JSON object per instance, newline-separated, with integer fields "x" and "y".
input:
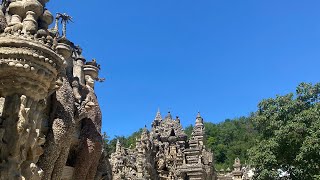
{"x": 29, "y": 68}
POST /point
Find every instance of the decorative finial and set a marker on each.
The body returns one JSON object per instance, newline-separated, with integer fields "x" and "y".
{"x": 199, "y": 115}
{"x": 178, "y": 119}
{"x": 118, "y": 146}
{"x": 65, "y": 18}
{"x": 199, "y": 119}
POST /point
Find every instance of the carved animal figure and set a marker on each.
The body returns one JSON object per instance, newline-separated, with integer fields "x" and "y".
{"x": 59, "y": 136}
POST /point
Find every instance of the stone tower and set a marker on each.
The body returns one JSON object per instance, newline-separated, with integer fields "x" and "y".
{"x": 49, "y": 113}
{"x": 237, "y": 172}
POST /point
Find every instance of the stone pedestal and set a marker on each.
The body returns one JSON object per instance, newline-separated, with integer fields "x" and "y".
{"x": 28, "y": 72}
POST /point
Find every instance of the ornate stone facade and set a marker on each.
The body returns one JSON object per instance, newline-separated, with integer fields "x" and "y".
{"x": 50, "y": 120}
{"x": 165, "y": 153}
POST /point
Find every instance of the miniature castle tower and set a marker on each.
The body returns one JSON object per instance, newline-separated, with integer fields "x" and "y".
{"x": 237, "y": 173}
{"x": 197, "y": 138}
{"x": 197, "y": 156}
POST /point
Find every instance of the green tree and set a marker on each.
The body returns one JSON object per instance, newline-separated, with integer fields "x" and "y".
{"x": 188, "y": 130}
{"x": 127, "y": 142}
{"x": 289, "y": 128}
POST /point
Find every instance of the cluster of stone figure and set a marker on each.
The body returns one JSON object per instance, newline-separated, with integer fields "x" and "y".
{"x": 50, "y": 120}
{"x": 165, "y": 153}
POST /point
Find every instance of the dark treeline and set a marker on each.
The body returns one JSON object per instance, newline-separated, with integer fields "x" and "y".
{"x": 126, "y": 141}
{"x": 227, "y": 140}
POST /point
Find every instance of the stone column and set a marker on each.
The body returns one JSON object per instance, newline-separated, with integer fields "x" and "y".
{"x": 29, "y": 70}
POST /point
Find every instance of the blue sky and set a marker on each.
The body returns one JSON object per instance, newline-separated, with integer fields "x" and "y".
{"x": 219, "y": 57}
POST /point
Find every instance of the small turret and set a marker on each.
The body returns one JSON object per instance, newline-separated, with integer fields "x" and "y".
{"x": 237, "y": 173}
{"x": 198, "y": 133}
{"x": 169, "y": 116}
{"x": 157, "y": 119}
{"x": 118, "y": 146}
{"x": 91, "y": 71}
{"x": 178, "y": 119}
{"x": 158, "y": 116}
{"x": 199, "y": 119}
{"x": 145, "y": 134}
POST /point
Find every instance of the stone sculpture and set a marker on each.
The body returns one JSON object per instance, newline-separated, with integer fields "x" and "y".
{"x": 90, "y": 147}
{"x": 165, "y": 153}
{"x": 49, "y": 113}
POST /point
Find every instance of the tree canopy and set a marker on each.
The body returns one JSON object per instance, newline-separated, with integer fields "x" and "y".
{"x": 228, "y": 140}
{"x": 289, "y": 129}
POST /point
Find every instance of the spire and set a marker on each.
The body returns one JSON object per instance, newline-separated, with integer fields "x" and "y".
{"x": 144, "y": 133}
{"x": 145, "y": 129}
{"x": 178, "y": 119}
{"x": 118, "y": 146}
{"x": 56, "y": 26}
{"x": 158, "y": 116}
{"x": 198, "y": 115}
{"x": 199, "y": 119}
{"x": 169, "y": 116}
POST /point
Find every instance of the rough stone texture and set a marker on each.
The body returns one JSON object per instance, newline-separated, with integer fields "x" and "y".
{"x": 239, "y": 172}
{"x": 104, "y": 171}
{"x": 165, "y": 153}
{"x": 62, "y": 126}
{"x": 50, "y": 120}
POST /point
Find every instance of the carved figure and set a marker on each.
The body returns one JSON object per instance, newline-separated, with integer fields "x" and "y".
{"x": 90, "y": 148}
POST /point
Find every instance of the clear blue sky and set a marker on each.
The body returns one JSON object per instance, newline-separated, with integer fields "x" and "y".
{"x": 220, "y": 57}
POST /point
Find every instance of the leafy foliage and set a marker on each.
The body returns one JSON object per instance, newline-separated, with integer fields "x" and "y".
{"x": 289, "y": 128}
{"x": 228, "y": 140}
{"x": 128, "y": 142}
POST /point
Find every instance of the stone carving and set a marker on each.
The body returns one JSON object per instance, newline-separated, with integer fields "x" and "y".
{"x": 90, "y": 145}
{"x": 61, "y": 129}
{"x": 165, "y": 153}
{"x": 50, "y": 120}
